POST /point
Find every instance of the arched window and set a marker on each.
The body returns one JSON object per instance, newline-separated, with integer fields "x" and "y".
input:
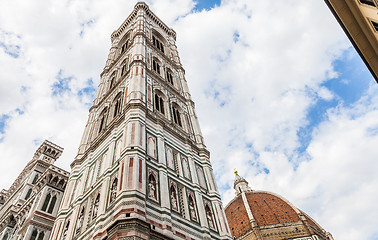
{"x": 55, "y": 180}
{"x": 52, "y": 205}
{"x": 95, "y": 206}
{"x": 113, "y": 190}
{"x": 41, "y": 236}
{"x": 34, "y": 234}
{"x": 176, "y": 115}
{"x": 168, "y": 76}
{"x": 156, "y": 66}
{"x": 124, "y": 67}
{"x": 111, "y": 82}
{"x": 35, "y": 178}
{"x": 28, "y": 194}
{"x": 117, "y": 106}
{"x": 125, "y": 46}
{"x": 152, "y": 187}
{"x": 46, "y": 202}
{"x": 157, "y": 43}
{"x": 102, "y": 120}
{"x": 61, "y": 183}
{"x": 159, "y": 103}
{"x": 5, "y": 236}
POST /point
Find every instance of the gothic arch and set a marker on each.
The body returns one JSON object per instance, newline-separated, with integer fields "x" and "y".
{"x": 125, "y": 42}
{"x": 177, "y": 114}
{"x": 209, "y": 215}
{"x": 158, "y": 40}
{"x": 152, "y": 185}
{"x": 173, "y": 196}
{"x": 170, "y": 158}
{"x": 156, "y": 65}
{"x": 192, "y": 206}
{"x": 169, "y": 76}
{"x": 112, "y": 80}
{"x": 124, "y": 66}
{"x": 117, "y": 104}
{"x": 102, "y": 119}
{"x": 159, "y": 101}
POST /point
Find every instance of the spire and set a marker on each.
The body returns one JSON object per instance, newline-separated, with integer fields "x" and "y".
{"x": 240, "y": 184}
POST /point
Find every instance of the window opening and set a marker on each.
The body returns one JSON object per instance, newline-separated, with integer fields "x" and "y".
{"x": 169, "y": 76}
{"x": 117, "y": 107}
{"x": 159, "y": 103}
{"x": 28, "y": 194}
{"x": 156, "y": 66}
{"x": 368, "y": 2}
{"x": 34, "y": 234}
{"x": 52, "y": 205}
{"x": 375, "y": 25}
{"x": 157, "y": 43}
{"x": 176, "y": 116}
{"x": 111, "y": 83}
{"x": 35, "y": 178}
{"x": 41, "y": 236}
{"x": 125, "y": 46}
{"x": 47, "y": 200}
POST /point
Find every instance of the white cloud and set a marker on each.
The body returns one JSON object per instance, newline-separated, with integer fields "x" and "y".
{"x": 254, "y": 69}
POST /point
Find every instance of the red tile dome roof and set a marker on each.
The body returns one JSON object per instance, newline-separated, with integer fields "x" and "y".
{"x": 267, "y": 209}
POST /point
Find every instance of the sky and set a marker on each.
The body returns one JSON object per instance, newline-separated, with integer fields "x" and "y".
{"x": 280, "y": 93}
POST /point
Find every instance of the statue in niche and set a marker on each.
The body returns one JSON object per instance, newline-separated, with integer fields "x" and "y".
{"x": 173, "y": 198}
{"x": 151, "y": 187}
{"x": 113, "y": 191}
{"x": 95, "y": 207}
{"x": 80, "y": 221}
{"x": 151, "y": 147}
{"x": 170, "y": 158}
{"x": 186, "y": 167}
{"x": 65, "y": 231}
{"x": 192, "y": 208}
{"x": 209, "y": 217}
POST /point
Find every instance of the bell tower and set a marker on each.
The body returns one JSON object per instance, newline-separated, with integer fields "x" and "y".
{"x": 142, "y": 169}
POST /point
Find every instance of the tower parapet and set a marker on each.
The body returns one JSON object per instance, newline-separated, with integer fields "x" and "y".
{"x": 29, "y": 207}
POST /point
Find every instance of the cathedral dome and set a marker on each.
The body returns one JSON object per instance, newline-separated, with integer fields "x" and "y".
{"x": 266, "y": 215}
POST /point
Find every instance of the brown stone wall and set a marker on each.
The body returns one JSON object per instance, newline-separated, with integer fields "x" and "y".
{"x": 279, "y": 232}
{"x": 237, "y": 217}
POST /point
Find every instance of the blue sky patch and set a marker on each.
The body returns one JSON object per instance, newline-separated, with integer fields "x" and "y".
{"x": 353, "y": 80}
{"x": 10, "y": 43}
{"x": 88, "y": 23}
{"x": 3, "y": 122}
{"x": 236, "y": 37}
{"x": 89, "y": 91}
{"x": 11, "y": 50}
{"x": 206, "y": 4}
{"x": 349, "y": 86}
{"x": 62, "y": 85}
